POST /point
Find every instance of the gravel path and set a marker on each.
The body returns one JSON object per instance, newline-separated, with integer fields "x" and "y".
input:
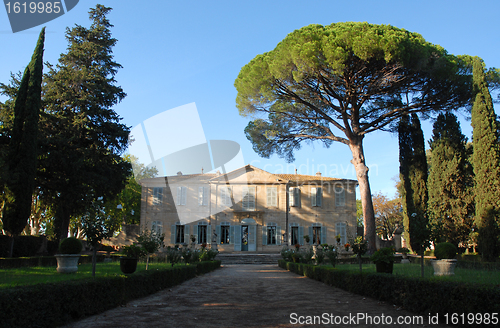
{"x": 253, "y": 296}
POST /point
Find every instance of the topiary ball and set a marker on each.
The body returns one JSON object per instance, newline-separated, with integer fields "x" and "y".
{"x": 445, "y": 251}
{"x": 70, "y": 245}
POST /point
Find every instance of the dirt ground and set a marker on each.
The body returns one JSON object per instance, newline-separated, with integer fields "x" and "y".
{"x": 254, "y": 296}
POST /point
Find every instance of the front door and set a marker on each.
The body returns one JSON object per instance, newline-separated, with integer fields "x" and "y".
{"x": 244, "y": 238}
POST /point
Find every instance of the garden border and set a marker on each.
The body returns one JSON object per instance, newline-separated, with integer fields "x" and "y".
{"x": 56, "y": 304}
{"x": 414, "y": 294}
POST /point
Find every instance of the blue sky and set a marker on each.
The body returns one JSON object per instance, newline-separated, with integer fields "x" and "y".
{"x": 178, "y": 52}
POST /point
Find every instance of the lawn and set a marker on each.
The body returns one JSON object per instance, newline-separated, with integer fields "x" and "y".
{"x": 413, "y": 270}
{"x": 38, "y": 275}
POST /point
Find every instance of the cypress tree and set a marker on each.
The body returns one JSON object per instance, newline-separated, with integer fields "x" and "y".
{"x": 451, "y": 202}
{"x": 486, "y": 162}
{"x": 22, "y": 148}
{"x": 413, "y": 172}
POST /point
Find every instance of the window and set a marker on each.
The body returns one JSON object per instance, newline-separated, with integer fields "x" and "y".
{"x": 202, "y": 196}
{"x": 272, "y": 196}
{"x": 248, "y": 199}
{"x": 316, "y": 196}
{"x": 294, "y": 197}
{"x": 181, "y": 195}
{"x": 157, "y": 227}
{"x": 316, "y": 235}
{"x": 202, "y": 234}
{"x": 225, "y": 196}
{"x": 339, "y": 196}
{"x": 294, "y": 236}
{"x": 179, "y": 234}
{"x": 157, "y": 195}
{"x": 271, "y": 234}
{"x": 340, "y": 229}
{"x": 224, "y": 234}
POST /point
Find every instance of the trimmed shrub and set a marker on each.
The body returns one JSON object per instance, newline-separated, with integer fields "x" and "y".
{"x": 414, "y": 294}
{"x": 70, "y": 245}
{"x": 56, "y": 304}
{"x": 445, "y": 251}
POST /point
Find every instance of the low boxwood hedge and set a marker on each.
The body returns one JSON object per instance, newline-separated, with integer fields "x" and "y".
{"x": 414, "y": 294}
{"x": 52, "y": 305}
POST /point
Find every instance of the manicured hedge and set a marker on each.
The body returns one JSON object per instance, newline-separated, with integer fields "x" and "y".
{"x": 414, "y": 294}
{"x": 52, "y": 305}
{"x": 18, "y": 262}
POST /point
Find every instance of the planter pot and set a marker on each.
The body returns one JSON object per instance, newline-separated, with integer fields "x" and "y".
{"x": 383, "y": 267}
{"x": 445, "y": 267}
{"x": 67, "y": 263}
{"x": 128, "y": 264}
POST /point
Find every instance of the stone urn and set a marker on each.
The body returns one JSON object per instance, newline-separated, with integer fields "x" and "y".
{"x": 128, "y": 265}
{"x": 444, "y": 267}
{"x": 67, "y": 263}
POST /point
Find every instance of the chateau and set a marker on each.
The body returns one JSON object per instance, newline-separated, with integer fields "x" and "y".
{"x": 249, "y": 209}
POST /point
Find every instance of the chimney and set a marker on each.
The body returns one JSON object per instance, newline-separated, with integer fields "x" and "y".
{"x": 201, "y": 170}
{"x": 179, "y": 173}
{"x": 318, "y": 174}
{"x": 295, "y": 171}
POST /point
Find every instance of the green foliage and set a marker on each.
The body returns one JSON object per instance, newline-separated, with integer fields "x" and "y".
{"x": 385, "y": 254}
{"x": 57, "y": 304}
{"x": 413, "y": 175}
{"x": 21, "y": 160}
{"x": 24, "y": 245}
{"x": 83, "y": 138}
{"x": 174, "y": 255}
{"x": 489, "y": 235}
{"x": 451, "y": 181}
{"x": 304, "y": 90}
{"x": 486, "y": 162}
{"x": 319, "y": 257}
{"x": 286, "y": 254}
{"x": 134, "y": 251}
{"x": 359, "y": 246}
{"x": 70, "y": 245}
{"x": 151, "y": 240}
{"x": 445, "y": 251}
{"x": 415, "y": 294}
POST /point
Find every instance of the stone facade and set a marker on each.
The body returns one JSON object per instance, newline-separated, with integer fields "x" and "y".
{"x": 246, "y": 209}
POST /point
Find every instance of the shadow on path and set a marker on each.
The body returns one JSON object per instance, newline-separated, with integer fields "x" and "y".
{"x": 253, "y": 296}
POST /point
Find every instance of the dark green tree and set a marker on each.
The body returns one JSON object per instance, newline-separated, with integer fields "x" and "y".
{"x": 413, "y": 175}
{"x": 486, "y": 162}
{"x": 451, "y": 201}
{"x": 83, "y": 136}
{"x": 338, "y": 83}
{"x": 20, "y": 163}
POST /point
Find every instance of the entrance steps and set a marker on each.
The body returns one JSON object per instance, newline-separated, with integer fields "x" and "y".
{"x": 248, "y": 258}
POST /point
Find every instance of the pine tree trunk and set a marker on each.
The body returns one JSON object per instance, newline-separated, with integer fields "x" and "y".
{"x": 358, "y": 160}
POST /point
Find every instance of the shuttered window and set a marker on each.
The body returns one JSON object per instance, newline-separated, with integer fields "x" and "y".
{"x": 157, "y": 227}
{"x": 181, "y": 195}
{"x": 248, "y": 199}
{"x": 341, "y": 229}
{"x": 225, "y": 196}
{"x": 339, "y": 196}
{"x": 203, "y": 196}
{"x": 316, "y": 196}
{"x": 272, "y": 196}
{"x": 294, "y": 197}
{"x": 157, "y": 195}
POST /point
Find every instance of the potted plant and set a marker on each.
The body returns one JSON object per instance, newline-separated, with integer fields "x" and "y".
{"x": 69, "y": 254}
{"x": 306, "y": 239}
{"x": 128, "y": 263}
{"x": 404, "y": 252}
{"x": 384, "y": 260}
{"x": 445, "y": 262}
